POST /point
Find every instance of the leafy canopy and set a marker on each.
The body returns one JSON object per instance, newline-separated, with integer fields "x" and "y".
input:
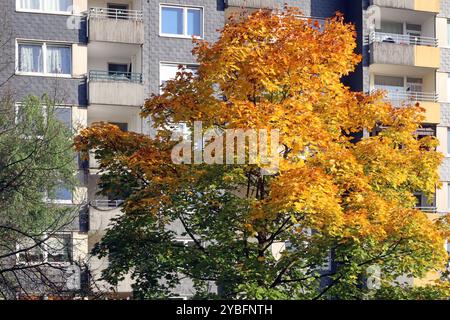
{"x": 333, "y": 195}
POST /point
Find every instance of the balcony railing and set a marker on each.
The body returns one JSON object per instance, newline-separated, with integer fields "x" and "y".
{"x": 410, "y": 96}
{"x": 107, "y": 203}
{"x": 404, "y": 39}
{"x": 427, "y": 209}
{"x": 96, "y": 75}
{"x": 117, "y": 14}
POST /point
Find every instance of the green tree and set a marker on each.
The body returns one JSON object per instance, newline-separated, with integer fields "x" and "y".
{"x": 36, "y": 161}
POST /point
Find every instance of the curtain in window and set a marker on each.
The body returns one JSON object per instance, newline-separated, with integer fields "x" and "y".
{"x": 58, "y": 60}
{"x": 30, "y": 58}
{"x": 29, "y": 4}
{"x": 57, "y": 5}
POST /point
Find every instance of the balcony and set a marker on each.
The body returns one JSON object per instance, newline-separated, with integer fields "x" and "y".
{"x": 116, "y": 25}
{"x": 417, "y": 5}
{"x": 411, "y": 97}
{"x": 427, "y": 100}
{"x": 399, "y": 49}
{"x": 115, "y": 88}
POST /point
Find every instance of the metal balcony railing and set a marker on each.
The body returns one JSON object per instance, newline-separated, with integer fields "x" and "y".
{"x": 118, "y": 14}
{"x": 404, "y": 39}
{"x": 410, "y": 96}
{"x": 427, "y": 209}
{"x": 107, "y": 203}
{"x": 96, "y": 75}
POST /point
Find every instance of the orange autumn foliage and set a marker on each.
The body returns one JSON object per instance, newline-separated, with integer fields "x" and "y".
{"x": 282, "y": 72}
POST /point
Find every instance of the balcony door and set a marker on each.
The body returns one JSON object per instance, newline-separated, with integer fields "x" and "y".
{"x": 414, "y": 85}
{"x": 118, "y": 11}
{"x": 414, "y": 31}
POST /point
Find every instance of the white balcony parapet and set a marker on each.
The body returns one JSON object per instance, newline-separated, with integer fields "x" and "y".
{"x": 409, "y": 96}
{"x": 115, "y": 88}
{"x": 117, "y": 14}
{"x": 402, "y": 39}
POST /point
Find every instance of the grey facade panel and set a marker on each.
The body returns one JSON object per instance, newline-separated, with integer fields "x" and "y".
{"x": 445, "y": 8}
{"x": 445, "y": 170}
{"x": 64, "y": 91}
{"x": 445, "y": 60}
{"x": 44, "y": 26}
{"x": 177, "y": 50}
{"x": 445, "y": 114}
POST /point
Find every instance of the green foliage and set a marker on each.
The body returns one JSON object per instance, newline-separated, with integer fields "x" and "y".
{"x": 36, "y": 158}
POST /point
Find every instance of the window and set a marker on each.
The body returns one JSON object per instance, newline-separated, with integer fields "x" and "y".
{"x": 29, "y": 251}
{"x": 122, "y": 125}
{"x": 390, "y": 84}
{"x": 448, "y": 195}
{"x": 181, "y": 21}
{"x": 61, "y": 113}
{"x": 52, "y": 6}
{"x": 448, "y": 32}
{"x": 119, "y": 70}
{"x": 118, "y": 11}
{"x": 448, "y": 140}
{"x": 59, "y": 59}
{"x": 30, "y": 58}
{"x": 64, "y": 115}
{"x": 52, "y": 249}
{"x": 44, "y": 59}
{"x": 168, "y": 71}
{"x": 391, "y": 27}
{"x": 59, "y": 248}
{"x": 414, "y": 85}
{"x": 63, "y": 195}
{"x": 448, "y": 87}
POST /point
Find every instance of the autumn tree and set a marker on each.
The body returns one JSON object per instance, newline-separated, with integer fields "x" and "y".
{"x": 338, "y": 204}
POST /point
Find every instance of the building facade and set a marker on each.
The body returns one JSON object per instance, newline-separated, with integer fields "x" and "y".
{"x": 101, "y": 59}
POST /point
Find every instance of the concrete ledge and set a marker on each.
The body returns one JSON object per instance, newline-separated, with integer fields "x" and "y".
{"x": 116, "y": 30}
{"x": 116, "y": 93}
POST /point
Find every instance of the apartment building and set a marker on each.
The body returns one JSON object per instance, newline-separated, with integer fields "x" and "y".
{"x": 100, "y": 59}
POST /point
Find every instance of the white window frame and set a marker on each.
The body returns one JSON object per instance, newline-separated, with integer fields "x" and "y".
{"x": 17, "y": 105}
{"x": 59, "y": 201}
{"x": 176, "y": 64}
{"x": 185, "y": 21}
{"x": 42, "y": 9}
{"x": 41, "y": 247}
{"x": 44, "y": 45}
{"x": 447, "y": 153}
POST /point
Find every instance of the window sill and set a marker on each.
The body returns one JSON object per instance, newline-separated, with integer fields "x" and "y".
{"x": 60, "y": 13}
{"x": 168, "y": 35}
{"x": 49, "y": 75}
